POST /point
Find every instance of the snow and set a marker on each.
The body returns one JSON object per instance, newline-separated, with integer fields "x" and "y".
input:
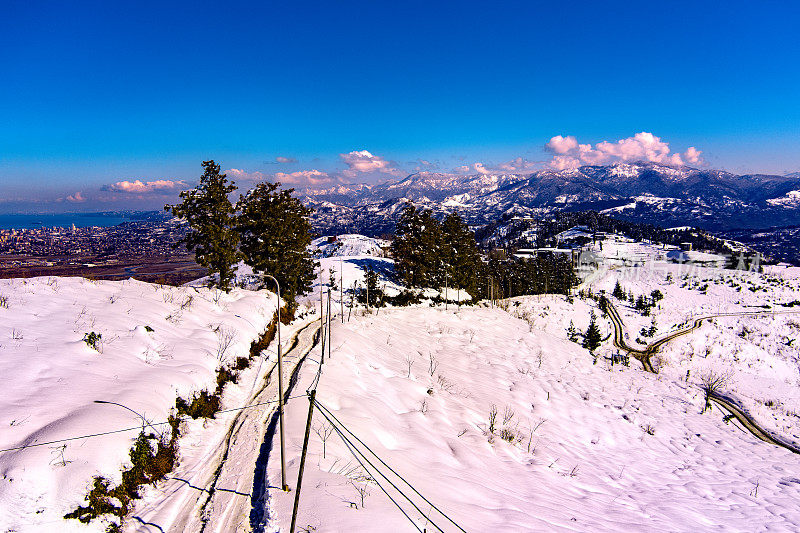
{"x": 790, "y": 199}
{"x": 582, "y": 455}
{"x": 348, "y": 245}
{"x": 590, "y": 446}
{"x": 50, "y": 379}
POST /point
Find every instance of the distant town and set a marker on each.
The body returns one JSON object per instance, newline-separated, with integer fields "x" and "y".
{"x": 149, "y": 249}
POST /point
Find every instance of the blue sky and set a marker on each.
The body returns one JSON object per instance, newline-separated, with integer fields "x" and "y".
{"x": 121, "y": 104}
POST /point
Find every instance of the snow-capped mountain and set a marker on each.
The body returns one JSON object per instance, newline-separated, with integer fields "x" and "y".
{"x": 646, "y": 192}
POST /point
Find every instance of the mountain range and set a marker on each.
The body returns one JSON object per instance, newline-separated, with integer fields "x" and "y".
{"x": 658, "y": 194}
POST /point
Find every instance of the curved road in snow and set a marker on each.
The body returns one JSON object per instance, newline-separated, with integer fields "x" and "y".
{"x": 726, "y": 403}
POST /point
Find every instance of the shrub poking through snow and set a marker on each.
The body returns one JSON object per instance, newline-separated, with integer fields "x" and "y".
{"x": 203, "y": 405}
{"x": 94, "y": 341}
{"x": 4, "y": 302}
{"x": 712, "y": 384}
{"x": 149, "y": 464}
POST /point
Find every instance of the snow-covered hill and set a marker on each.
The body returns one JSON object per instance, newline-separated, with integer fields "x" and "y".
{"x": 575, "y": 446}
{"x": 157, "y": 342}
{"x": 348, "y": 245}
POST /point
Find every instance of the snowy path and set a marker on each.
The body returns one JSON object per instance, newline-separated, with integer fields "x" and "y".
{"x": 212, "y": 488}
{"x": 746, "y": 421}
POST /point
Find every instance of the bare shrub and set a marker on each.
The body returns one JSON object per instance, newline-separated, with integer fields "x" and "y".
{"x": 433, "y": 364}
{"x": 323, "y": 431}
{"x": 508, "y": 415}
{"x": 492, "y": 418}
{"x": 225, "y": 339}
{"x": 409, "y": 364}
{"x": 712, "y": 383}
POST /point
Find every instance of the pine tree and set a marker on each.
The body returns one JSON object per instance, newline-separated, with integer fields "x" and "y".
{"x": 211, "y": 218}
{"x": 371, "y": 289}
{"x": 657, "y": 296}
{"x": 602, "y": 303}
{"x": 460, "y": 253}
{"x": 618, "y": 293}
{"x": 407, "y": 247}
{"x": 332, "y": 285}
{"x": 592, "y": 338}
{"x": 276, "y": 234}
{"x": 572, "y": 333}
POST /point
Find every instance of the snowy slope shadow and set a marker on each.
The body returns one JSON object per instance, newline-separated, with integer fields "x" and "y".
{"x": 259, "y": 514}
{"x": 381, "y": 266}
{"x": 258, "y": 500}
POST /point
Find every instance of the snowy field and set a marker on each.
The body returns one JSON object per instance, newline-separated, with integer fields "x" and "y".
{"x": 575, "y": 445}
{"x": 157, "y": 342}
{"x": 589, "y": 448}
{"x": 758, "y": 354}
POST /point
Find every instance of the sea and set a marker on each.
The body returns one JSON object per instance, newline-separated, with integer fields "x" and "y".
{"x": 60, "y": 220}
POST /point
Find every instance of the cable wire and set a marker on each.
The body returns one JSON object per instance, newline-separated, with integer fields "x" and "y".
{"x": 325, "y": 410}
{"x": 358, "y": 456}
{"x": 185, "y": 417}
{"x": 385, "y": 477}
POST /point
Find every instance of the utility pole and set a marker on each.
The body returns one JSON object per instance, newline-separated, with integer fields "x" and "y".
{"x": 330, "y": 323}
{"x": 341, "y": 286}
{"x": 284, "y": 486}
{"x": 445, "y": 290}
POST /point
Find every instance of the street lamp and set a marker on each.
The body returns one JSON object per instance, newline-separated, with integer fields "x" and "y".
{"x": 144, "y": 420}
{"x": 284, "y": 486}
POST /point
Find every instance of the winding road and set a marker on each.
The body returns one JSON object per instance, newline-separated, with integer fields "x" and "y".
{"x": 643, "y": 355}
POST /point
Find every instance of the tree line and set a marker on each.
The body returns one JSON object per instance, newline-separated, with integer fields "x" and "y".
{"x": 267, "y": 229}
{"x": 430, "y": 253}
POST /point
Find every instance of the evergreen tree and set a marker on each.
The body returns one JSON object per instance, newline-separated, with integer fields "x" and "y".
{"x": 602, "y": 303}
{"x": 572, "y": 333}
{"x": 653, "y": 327}
{"x": 275, "y": 234}
{"x": 332, "y": 285}
{"x": 618, "y": 293}
{"x": 460, "y": 253}
{"x": 657, "y": 296}
{"x": 211, "y": 218}
{"x": 371, "y": 289}
{"x": 407, "y": 247}
{"x": 592, "y": 338}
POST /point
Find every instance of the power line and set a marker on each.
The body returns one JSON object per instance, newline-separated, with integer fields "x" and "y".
{"x": 358, "y": 456}
{"x": 67, "y": 439}
{"x": 335, "y": 421}
{"x": 326, "y": 410}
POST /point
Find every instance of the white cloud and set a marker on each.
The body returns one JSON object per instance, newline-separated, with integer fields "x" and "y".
{"x": 76, "y": 198}
{"x": 281, "y": 159}
{"x": 238, "y": 174}
{"x": 361, "y": 161}
{"x": 518, "y": 164}
{"x": 305, "y": 177}
{"x": 644, "y": 146}
{"x": 140, "y": 187}
{"x": 561, "y": 145}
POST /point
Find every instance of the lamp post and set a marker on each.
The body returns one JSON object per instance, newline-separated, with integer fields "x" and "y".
{"x": 284, "y": 486}
{"x": 445, "y": 290}
{"x": 144, "y": 420}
